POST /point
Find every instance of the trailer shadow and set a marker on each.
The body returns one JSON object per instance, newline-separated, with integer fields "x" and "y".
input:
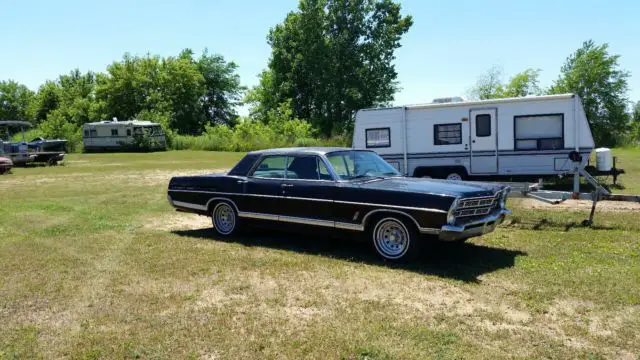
{"x": 464, "y": 262}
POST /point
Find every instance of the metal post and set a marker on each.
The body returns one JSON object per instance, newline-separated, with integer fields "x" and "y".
{"x": 576, "y": 178}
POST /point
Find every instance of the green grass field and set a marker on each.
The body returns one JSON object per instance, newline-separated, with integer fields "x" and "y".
{"x": 94, "y": 264}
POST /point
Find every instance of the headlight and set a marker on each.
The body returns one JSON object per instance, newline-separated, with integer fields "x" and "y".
{"x": 451, "y": 219}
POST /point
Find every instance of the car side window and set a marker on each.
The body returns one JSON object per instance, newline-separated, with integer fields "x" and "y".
{"x": 271, "y": 167}
{"x": 303, "y": 167}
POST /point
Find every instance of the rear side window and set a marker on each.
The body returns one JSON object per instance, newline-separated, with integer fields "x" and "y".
{"x": 273, "y": 167}
{"x": 244, "y": 165}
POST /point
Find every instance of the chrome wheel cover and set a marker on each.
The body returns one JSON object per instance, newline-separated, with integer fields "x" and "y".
{"x": 391, "y": 238}
{"x": 454, "y": 177}
{"x": 224, "y": 218}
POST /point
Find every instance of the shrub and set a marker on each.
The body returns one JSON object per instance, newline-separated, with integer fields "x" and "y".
{"x": 55, "y": 126}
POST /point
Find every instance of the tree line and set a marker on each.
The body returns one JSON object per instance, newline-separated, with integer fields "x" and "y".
{"x": 329, "y": 58}
{"x": 591, "y": 72}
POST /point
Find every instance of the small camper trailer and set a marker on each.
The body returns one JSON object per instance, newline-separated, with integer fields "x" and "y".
{"x": 121, "y": 135}
{"x": 455, "y": 139}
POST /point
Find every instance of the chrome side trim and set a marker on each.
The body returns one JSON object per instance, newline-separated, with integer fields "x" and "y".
{"x": 221, "y": 198}
{"x": 259, "y": 216}
{"x": 316, "y": 199}
{"x": 390, "y": 206}
{"x": 306, "y": 221}
{"x": 189, "y": 205}
{"x": 422, "y": 230}
{"x": 348, "y": 226}
{"x": 299, "y": 220}
{"x": 310, "y": 199}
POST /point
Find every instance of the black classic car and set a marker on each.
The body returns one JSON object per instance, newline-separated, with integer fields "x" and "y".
{"x": 342, "y": 189}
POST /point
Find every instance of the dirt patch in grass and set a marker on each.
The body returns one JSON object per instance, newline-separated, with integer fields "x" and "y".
{"x": 153, "y": 177}
{"x": 579, "y": 205}
{"x": 177, "y": 221}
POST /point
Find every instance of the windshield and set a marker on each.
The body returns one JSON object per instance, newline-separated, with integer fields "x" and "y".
{"x": 350, "y": 165}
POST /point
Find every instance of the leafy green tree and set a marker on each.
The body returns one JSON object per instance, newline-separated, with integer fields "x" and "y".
{"x": 594, "y": 74}
{"x": 192, "y": 92}
{"x": 223, "y": 90}
{"x": 331, "y": 58}
{"x": 525, "y": 83}
{"x": 46, "y": 100}
{"x": 15, "y": 100}
{"x": 490, "y": 86}
{"x": 636, "y": 113}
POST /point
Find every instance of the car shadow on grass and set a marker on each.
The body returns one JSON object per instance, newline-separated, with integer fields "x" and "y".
{"x": 464, "y": 262}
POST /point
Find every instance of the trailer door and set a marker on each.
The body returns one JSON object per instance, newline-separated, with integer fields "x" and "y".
{"x": 484, "y": 141}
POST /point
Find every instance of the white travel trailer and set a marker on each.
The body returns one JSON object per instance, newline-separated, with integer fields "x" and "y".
{"x": 119, "y": 135}
{"x": 455, "y": 139}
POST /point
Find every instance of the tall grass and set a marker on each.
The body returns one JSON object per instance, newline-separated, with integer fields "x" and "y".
{"x": 255, "y": 135}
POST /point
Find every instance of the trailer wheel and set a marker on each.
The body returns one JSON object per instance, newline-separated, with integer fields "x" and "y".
{"x": 454, "y": 176}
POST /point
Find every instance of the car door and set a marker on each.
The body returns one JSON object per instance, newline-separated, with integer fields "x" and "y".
{"x": 308, "y": 190}
{"x": 263, "y": 187}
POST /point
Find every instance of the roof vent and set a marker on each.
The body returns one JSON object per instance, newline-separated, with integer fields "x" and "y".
{"x": 448, "y": 100}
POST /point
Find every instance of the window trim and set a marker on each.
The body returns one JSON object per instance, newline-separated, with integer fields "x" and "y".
{"x": 516, "y": 139}
{"x": 435, "y": 134}
{"x": 476, "y": 125}
{"x": 117, "y": 132}
{"x": 366, "y": 138}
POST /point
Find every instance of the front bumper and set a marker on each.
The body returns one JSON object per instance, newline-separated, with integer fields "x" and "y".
{"x": 473, "y": 228}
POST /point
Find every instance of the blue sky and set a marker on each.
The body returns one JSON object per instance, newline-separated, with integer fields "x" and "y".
{"x": 449, "y": 46}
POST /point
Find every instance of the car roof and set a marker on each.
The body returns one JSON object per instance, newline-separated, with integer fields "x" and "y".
{"x": 301, "y": 150}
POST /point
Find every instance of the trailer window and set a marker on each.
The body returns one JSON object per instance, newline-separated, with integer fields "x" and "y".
{"x": 128, "y": 132}
{"x": 380, "y": 137}
{"x": 539, "y": 132}
{"x": 483, "y": 125}
{"x": 447, "y": 134}
{"x": 93, "y": 133}
{"x": 86, "y": 133}
{"x": 114, "y": 132}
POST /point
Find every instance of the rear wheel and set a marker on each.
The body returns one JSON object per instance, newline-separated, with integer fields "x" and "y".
{"x": 395, "y": 239}
{"x": 224, "y": 218}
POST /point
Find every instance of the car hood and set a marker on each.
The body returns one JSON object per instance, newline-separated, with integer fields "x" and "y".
{"x": 433, "y": 186}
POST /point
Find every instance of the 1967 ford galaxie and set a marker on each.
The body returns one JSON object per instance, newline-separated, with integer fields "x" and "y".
{"x": 342, "y": 189}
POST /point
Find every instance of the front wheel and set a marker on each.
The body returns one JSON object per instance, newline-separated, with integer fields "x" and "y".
{"x": 224, "y": 218}
{"x": 395, "y": 239}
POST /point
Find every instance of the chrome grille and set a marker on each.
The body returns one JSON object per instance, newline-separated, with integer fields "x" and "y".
{"x": 477, "y": 206}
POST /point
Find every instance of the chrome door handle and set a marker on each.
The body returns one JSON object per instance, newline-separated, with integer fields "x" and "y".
{"x": 286, "y": 185}
{"x": 242, "y": 181}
